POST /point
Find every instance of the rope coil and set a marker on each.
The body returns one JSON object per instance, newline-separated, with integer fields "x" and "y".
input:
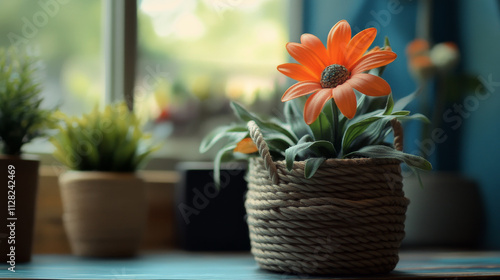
{"x": 347, "y": 219}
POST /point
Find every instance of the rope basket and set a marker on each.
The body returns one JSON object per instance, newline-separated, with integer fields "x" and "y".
{"x": 347, "y": 219}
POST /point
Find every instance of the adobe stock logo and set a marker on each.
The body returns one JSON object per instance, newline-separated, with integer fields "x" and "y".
{"x": 455, "y": 115}
{"x": 383, "y": 18}
{"x": 32, "y": 25}
{"x": 220, "y": 6}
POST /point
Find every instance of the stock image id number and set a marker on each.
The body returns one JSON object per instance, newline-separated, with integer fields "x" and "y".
{"x": 11, "y": 193}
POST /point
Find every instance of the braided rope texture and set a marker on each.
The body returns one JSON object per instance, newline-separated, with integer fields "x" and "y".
{"x": 261, "y": 144}
{"x": 348, "y": 219}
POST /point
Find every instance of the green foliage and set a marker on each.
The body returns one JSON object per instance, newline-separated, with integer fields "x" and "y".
{"x": 292, "y": 140}
{"x": 21, "y": 118}
{"x": 332, "y": 135}
{"x": 109, "y": 140}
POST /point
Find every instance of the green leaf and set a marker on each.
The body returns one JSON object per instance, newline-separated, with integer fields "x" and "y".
{"x": 374, "y": 135}
{"x": 386, "y": 42}
{"x": 277, "y": 142}
{"x": 389, "y": 106}
{"x": 224, "y": 154}
{"x": 382, "y": 68}
{"x": 265, "y": 126}
{"x": 218, "y": 134}
{"x": 380, "y": 151}
{"x": 294, "y": 116}
{"x": 141, "y": 156}
{"x": 364, "y": 116}
{"x": 312, "y": 165}
{"x": 305, "y": 139}
{"x": 403, "y": 102}
{"x": 400, "y": 113}
{"x": 360, "y": 106}
{"x": 356, "y": 129}
{"x": 369, "y": 105}
{"x": 317, "y": 149}
{"x": 417, "y": 116}
{"x": 322, "y": 128}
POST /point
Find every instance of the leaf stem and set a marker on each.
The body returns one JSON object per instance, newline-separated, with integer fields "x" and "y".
{"x": 335, "y": 123}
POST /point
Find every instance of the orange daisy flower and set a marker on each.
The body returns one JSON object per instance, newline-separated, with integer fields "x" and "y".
{"x": 334, "y": 71}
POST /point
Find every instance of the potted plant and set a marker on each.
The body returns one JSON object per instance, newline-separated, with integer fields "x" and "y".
{"x": 103, "y": 197}
{"x": 21, "y": 120}
{"x": 324, "y": 187}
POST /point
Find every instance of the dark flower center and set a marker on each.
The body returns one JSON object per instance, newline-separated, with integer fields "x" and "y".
{"x": 334, "y": 75}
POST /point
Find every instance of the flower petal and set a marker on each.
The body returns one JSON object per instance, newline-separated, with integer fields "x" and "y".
{"x": 298, "y": 72}
{"x": 358, "y": 45}
{"x": 338, "y": 38}
{"x": 369, "y": 84}
{"x": 315, "y": 44}
{"x": 300, "y": 89}
{"x": 305, "y": 56}
{"x": 246, "y": 146}
{"x": 315, "y": 103}
{"x": 372, "y": 60}
{"x": 345, "y": 98}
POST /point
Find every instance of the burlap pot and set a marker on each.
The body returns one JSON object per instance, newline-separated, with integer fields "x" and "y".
{"x": 104, "y": 213}
{"x": 347, "y": 219}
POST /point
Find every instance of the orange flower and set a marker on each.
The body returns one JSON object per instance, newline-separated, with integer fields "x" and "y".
{"x": 417, "y": 47}
{"x": 334, "y": 71}
{"x": 246, "y": 146}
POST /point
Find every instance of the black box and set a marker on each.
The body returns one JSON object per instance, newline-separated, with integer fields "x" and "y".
{"x": 210, "y": 218}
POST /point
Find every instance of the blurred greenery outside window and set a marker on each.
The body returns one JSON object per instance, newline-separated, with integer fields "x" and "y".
{"x": 193, "y": 57}
{"x": 66, "y": 37}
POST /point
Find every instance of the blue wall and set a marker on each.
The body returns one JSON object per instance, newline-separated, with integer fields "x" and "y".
{"x": 477, "y": 32}
{"x": 481, "y": 131}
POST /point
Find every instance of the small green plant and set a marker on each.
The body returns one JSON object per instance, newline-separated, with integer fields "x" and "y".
{"x": 109, "y": 140}
{"x": 21, "y": 117}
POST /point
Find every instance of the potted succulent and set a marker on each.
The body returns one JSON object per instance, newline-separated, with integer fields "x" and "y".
{"x": 324, "y": 187}
{"x": 103, "y": 197}
{"x": 21, "y": 120}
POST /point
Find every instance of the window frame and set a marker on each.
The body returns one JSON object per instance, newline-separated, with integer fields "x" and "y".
{"x": 120, "y": 50}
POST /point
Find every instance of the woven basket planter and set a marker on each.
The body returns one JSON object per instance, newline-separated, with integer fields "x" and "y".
{"x": 347, "y": 219}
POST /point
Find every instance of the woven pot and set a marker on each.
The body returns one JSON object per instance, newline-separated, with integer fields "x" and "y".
{"x": 347, "y": 219}
{"x": 104, "y": 212}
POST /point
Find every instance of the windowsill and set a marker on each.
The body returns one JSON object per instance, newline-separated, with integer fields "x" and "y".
{"x": 209, "y": 265}
{"x": 149, "y": 176}
{"x": 171, "y": 152}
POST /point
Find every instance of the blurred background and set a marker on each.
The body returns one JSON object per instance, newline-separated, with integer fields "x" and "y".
{"x": 191, "y": 57}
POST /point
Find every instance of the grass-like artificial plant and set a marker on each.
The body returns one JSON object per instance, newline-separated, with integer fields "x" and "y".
{"x": 109, "y": 140}
{"x": 21, "y": 117}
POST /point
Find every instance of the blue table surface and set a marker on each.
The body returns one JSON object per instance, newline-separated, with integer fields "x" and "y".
{"x": 188, "y": 265}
